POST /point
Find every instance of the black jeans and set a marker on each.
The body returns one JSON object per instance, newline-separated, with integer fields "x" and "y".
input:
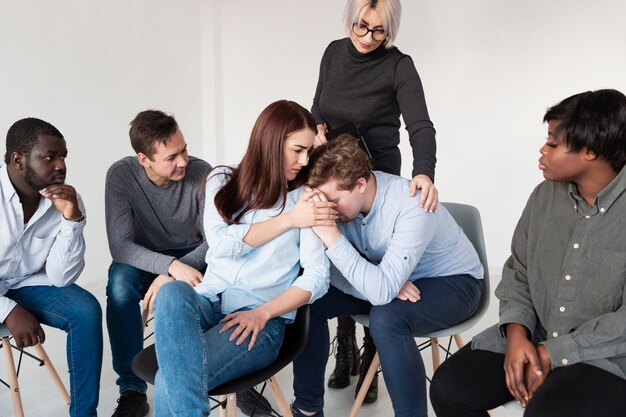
{"x": 472, "y": 381}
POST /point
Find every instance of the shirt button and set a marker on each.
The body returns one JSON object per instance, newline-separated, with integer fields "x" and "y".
{"x": 555, "y": 334}
{"x": 567, "y": 277}
{"x": 561, "y": 309}
{"x": 576, "y": 245}
{"x": 564, "y": 361}
{"x": 602, "y": 210}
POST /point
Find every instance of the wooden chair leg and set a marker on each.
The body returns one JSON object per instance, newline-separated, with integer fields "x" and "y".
{"x": 53, "y": 372}
{"x": 283, "y": 405}
{"x": 222, "y": 410}
{"x": 434, "y": 348}
{"x": 459, "y": 341}
{"x": 12, "y": 375}
{"x": 367, "y": 381}
{"x": 231, "y": 405}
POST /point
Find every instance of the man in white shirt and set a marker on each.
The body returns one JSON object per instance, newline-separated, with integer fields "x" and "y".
{"x": 42, "y": 254}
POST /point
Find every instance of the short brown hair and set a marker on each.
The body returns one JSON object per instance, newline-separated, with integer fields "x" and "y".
{"x": 150, "y": 127}
{"x": 341, "y": 160}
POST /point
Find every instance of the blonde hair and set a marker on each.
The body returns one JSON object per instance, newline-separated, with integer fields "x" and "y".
{"x": 389, "y": 11}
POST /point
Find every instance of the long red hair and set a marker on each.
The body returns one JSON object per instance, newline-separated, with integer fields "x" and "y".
{"x": 259, "y": 181}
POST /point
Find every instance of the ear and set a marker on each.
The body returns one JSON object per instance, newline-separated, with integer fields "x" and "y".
{"x": 143, "y": 159}
{"x": 361, "y": 184}
{"x": 18, "y": 160}
{"x": 590, "y": 155}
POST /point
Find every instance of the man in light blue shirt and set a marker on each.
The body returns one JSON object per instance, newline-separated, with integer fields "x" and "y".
{"x": 412, "y": 271}
{"x": 42, "y": 254}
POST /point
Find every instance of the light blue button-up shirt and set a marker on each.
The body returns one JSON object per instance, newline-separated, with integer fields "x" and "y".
{"x": 247, "y": 277}
{"x": 398, "y": 241}
{"x": 48, "y": 250}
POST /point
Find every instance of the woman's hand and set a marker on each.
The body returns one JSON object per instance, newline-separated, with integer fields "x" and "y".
{"x": 248, "y": 322}
{"x": 520, "y": 353}
{"x": 320, "y": 137}
{"x": 308, "y": 212}
{"x": 430, "y": 196}
{"x": 532, "y": 379}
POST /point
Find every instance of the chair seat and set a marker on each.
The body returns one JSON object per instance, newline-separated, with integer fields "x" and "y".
{"x": 4, "y": 331}
{"x": 514, "y": 407}
{"x": 145, "y": 362}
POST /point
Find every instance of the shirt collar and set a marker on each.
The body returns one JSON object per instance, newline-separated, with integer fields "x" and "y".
{"x": 5, "y": 182}
{"x": 606, "y": 197}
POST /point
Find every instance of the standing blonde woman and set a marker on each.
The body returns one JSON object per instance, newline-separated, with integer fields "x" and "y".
{"x": 366, "y": 81}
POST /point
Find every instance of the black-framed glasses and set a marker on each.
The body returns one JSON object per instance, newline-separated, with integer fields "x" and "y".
{"x": 361, "y": 30}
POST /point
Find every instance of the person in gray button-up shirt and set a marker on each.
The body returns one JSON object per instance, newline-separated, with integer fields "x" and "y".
{"x": 560, "y": 345}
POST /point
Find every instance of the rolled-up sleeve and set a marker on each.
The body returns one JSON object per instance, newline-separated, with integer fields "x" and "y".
{"x": 6, "y": 305}
{"x": 315, "y": 277}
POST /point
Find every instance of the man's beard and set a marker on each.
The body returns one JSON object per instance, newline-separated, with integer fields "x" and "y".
{"x": 34, "y": 180}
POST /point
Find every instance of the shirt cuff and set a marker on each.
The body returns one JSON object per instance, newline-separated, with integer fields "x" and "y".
{"x": 6, "y": 306}
{"x": 340, "y": 252}
{"x": 520, "y": 316}
{"x": 563, "y": 351}
{"x": 71, "y": 228}
{"x": 162, "y": 264}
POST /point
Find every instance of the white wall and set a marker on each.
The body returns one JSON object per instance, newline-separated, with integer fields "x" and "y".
{"x": 88, "y": 67}
{"x": 489, "y": 69}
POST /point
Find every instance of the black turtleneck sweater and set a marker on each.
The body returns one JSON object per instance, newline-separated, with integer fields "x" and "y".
{"x": 372, "y": 90}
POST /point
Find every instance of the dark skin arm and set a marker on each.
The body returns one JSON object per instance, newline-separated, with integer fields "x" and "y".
{"x": 24, "y": 327}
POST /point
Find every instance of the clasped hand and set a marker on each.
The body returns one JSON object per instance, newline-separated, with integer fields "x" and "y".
{"x": 310, "y": 211}
{"x": 526, "y": 368}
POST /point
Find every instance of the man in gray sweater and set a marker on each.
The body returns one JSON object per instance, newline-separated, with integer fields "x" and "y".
{"x": 153, "y": 207}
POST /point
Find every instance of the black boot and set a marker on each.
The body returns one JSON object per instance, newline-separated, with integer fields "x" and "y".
{"x": 369, "y": 350}
{"x": 347, "y": 358}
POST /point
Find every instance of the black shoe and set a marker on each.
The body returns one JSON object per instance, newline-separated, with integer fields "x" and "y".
{"x": 250, "y": 400}
{"x": 131, "y": 404}
{"x": 369, "y": 350}
{"x": 347, "y": 358}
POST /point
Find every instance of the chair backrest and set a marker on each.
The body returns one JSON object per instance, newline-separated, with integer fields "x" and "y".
{"x": 296, "y": 335}
{"x": 468, "y": 217}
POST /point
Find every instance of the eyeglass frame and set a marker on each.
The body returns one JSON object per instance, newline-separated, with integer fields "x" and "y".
{"x": 368, "y": 30}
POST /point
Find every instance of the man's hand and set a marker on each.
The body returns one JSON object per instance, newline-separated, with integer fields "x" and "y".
{"x": 248, "y": 322}
{"x": 148, "y": 299}
{"x": 520, "y": 353}
{"x": 24, "y": 327}
{"x": 409, "y": 292}
{"x": 63, "y": 196}
{"x": 320, "y": 137}
{"x": 183, "y": 272}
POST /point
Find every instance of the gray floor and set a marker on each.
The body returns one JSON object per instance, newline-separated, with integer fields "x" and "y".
{"x": 40, "y": 398}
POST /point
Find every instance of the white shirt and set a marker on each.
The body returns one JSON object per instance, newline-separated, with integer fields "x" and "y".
{"x": 48, "y": 250}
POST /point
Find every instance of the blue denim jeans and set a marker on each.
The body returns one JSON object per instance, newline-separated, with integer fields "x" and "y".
{"x": 445, "y": 301}
{"x": 195, "y": 357}
{"x": 127, "y": 286}
{"x": 78, "y": 313}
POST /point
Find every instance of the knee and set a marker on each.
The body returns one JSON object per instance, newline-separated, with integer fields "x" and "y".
{"x": 121, "y": 286}
{"x": 384, "y": 322}
{"x": 172, "y": 295}
{"x": 86, "y": 311}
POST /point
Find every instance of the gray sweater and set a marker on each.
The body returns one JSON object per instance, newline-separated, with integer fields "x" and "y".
{"x": 143, "y": 220}
{"x": 372, "y": 90}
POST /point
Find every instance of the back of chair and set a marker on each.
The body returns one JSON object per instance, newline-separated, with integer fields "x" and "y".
{"x": 468, "y": 217}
